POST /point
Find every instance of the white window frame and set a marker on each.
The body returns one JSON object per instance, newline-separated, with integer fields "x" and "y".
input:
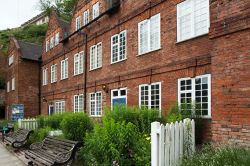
{"x": 64, "y": 69}
{"x": 119, "y": 45}
{"x": 78, "y": 23}
{"x": 96, "y": 10}
{"x": 45, "y": 76}
{"x": 13, "y": 84}
{"x": 95, "y": 104}
{"x": 149, "y": 44}
{"x": 193, "y": 35}
{"x": 85, "y": 17}
{"x": 47, "y": 45}
{"x": 59, "y": 107}
{"x": 8, "y": 86}
{"x": 95, "y": 57}
{"x": 119, "y": 95}
{"x": 57, "y": 38}
{"x": 149, "y": 94}
{"x": 52, "y": 42}
{"x": 193, "y": 90}
{"x": 53, "y": 73}
{"x": 78, "y": 63}
{"x": 11, "y": 60}
{"x": 78, "y": 104}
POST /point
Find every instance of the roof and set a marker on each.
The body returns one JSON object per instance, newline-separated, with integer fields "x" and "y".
{"x": 34, "y": 19}
{"x": 30, "y": 51}
{"x": 64, "y": 24}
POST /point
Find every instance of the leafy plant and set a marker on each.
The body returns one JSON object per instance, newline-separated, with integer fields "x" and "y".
{"x": 39, "y": 134}
{"x": 52, "y": 121}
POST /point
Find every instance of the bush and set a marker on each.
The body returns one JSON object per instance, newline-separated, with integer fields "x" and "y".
{"x": 115, "y": 143}
{"x": 75, "y": 126}
{"x": 52, "y": 121}
{"x": 224, "y": 155}
{"x": 140, "y": 117}
{"x": 174, "y": 114}
{"x": 39, "y": 134}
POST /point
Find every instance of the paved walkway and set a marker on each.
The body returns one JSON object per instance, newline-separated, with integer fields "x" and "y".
{"x": 8, "y": 159}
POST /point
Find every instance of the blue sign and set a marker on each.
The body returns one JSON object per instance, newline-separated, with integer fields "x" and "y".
{"x": 17, "y": 112}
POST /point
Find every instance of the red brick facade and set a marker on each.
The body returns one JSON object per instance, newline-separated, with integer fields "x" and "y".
{"x": 26, "y": 75}
{"x": 223, "y": 53}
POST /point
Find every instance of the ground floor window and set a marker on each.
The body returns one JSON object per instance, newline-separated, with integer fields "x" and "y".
{"x": 59, "y": 107}
{"x": 95, "y": 104}
{"x": 118, "y": 97}
{"x": 78, "y": 103}
{"x": 195, "y": 93}
{"x": 150, "y": 96}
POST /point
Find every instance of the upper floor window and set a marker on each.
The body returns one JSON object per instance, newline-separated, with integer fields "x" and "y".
{"x": 13, "y": 84}
{"x": 192, "y": 19}
{"x": 96, "y": 56}
{"x": 86, "y": 17}
{"x": 57, "y": 38}
{"x": 150, "y": 96}
{"x": 95, "y": 104}
{"x": 52, "y": 42}
{"x": 78, "y": 103}
{"x": 118, "y": 47}
{"x": 8, "y": 86}
{"x": 53, "y": 73}
{"x": 11, "y": 59}
{"x": 195, "y": 91}
{"x": 45, "y": 76}
{"x": 78, "y": 22}
{"x": 47, "y": 47}
{"x": 78, "y": 63}
{"x": 149, "y": 34}
{"x": 96, "y": 10}
{"x": 64, "y": 69}
{"x": 59, "y": 107}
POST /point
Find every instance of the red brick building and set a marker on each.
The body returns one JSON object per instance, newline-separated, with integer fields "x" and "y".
{"x": 153, "y": 54}
{"x": 3, "y": 64}
{"x": 22, "y": 80}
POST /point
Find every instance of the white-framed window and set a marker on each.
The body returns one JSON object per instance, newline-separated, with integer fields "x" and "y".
{"x": 45, "y": 76}
{"x": 8, "y": 86}
{"x": 59, "y": 107}
{"x": 195, "y": 91}
{"x": 149, "y": 34}
{"x": 96, "y": 10}
{"x": 78, "y": 22}
{"x": 192, "y": 19}
{"x": 53, "y": 73}
{"x": 86, "y": 17}
{"x": 78, "y": 103}
{"x": 95, "y": 104}
{"x": 52, "y": 42}
{"x": 57, "y": 38}
{"x": 13, "y": 84}
{"x": 64, "y": 69}
{"x": 118, "y": 97}
{"x": 150, "y": 95}
{"x": 96, "y": 56}
{"x": 47, "y": 47}
{"x": 11, "y": 60}
{"x": 78, "y": 63}
{"x": 118, "y": 47}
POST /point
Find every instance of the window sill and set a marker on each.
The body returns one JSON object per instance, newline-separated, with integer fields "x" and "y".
{"x": 112, "y": 63}
{"x": 64, "y": 79}
{"x": 77, "y": 74}
{"x": 95, "y": 68}
{"x": 95, "y": 116}
{"x": 158, "y": 49}
{"x": 192, "y": 38}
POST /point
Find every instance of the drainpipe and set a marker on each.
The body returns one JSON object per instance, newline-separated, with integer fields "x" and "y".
{"x": 39, "y": 86}
{"x": 85, "y": 72}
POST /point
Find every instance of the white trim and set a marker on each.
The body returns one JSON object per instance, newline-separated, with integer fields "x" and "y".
{"x": 95, "y": 105}
{"x": 64, "y": 69}
{"x": 95, "y": 57}
{"x": 95, "y": 10}
{"x": 78, "y": 22}
{"x": 59, "y": 104}
{"x": 119, "y": 95}
{"x": 53, "y": 73}
{"x": 78, "y": 103}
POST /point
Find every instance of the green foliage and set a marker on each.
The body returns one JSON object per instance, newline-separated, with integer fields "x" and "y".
{"x": 116, "y": 143}
{"x": 174, "y": 114}
{"x": 52, "y": 121}
{"x": 39, "y": 134}
{"x": 76, "y": 125}
{"x": 219, "y": 156}
{"x": 3, "y": 123}
{"x": 31, "y": 33}
{"x": 140, "y": 117}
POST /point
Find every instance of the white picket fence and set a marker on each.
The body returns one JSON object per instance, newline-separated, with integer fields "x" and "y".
{"x": 30, "y": 124}
{"x": 171, "y": 141}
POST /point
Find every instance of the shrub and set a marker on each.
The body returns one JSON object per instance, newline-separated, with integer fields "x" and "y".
{"x": 75, "y": 126}
{"x": 52, "y": 121}
{"x": 140, "y": 117}
{"x": 174, "y": 114}
{"x": 224, "y": 155}
{"x": 39, "y": 134}
{"x": 115, "y": 143}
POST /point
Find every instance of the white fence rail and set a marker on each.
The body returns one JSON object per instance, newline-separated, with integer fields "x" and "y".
{"x": 30, "y": 124}
{"x": 170, "y": 142}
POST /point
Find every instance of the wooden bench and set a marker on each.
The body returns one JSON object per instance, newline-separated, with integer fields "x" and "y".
{"x": 52, "y": 151}
{"x": 19, "y": 138}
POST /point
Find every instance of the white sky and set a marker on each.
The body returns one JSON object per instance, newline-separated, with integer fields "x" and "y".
{"x": 13, "y": 13}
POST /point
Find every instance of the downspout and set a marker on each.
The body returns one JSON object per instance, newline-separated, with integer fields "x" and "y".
{"x": 39, "y": 86}
{"x": 85, "y": 72}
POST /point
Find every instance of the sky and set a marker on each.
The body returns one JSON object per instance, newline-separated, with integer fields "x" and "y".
{"x": 13, "y": 13}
